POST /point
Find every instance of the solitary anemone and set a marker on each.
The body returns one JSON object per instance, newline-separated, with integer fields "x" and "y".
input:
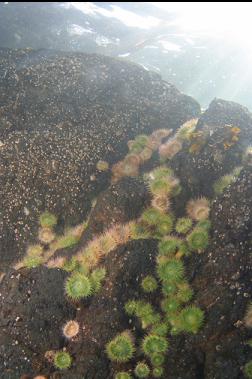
{"x": 142, "y": 370}
{"x": 192, "y": 319}
{"x": 149, "y": 284}
{"x": 71, "y": 329}
{"x": 154, "y": 344}
{"x": 183, "y": 225}
{"x": 62, "y": 360}
{"x": 78, "y": 286}
{"x": 172, "y": 270}
{"x": 121, "y": 348}
{"x": 198, "y": 209}
{"x": 47, "y": 220}
{"x": 198, "y": 239}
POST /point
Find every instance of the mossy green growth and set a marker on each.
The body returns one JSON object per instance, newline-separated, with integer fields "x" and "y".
{"x": 121, "y": 348}
{"x": 160, "y": 329}
{"x": 191, "y": 319}
{"x": 198, "y": 239}
{"x": 123, "y": 375}
{"x": 154, "y": 344}
{"x": 221, "y": 184}
{"x": 158, "y": 372}
{"x": 248, "y": 369}
{"x": 96, "y": 278}
{"x": 142, "y": 370}
{"x": 183, "y": 225}
{"x": 32, "y": 261}
{"x": 66, "y": 241}
{"x": 157, "y": 359}
{"x": 78, "y": 286}
{"x": 149, "y": 284}
{"x": 165, "y": 224}
{"x": 168, "y": 246}
{"x": 47, "y": 220}
{"x": 62, "y": 360}
{"x": 170, "y": 305}
{"x": 172, "y": 270}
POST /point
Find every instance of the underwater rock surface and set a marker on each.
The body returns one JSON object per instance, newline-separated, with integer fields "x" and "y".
{"x": 74, "y": 105}
{"x": 60, "y": 113}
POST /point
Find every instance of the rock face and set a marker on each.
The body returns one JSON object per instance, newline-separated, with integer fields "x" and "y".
{"x": 59, "y": 115}
{"x": 33, "y": 303}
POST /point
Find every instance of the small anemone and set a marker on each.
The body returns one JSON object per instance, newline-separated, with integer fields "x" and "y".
{"x": 71, "y": 329}
{"x": 204, "y": 224}
{"x": 192, "y": 319}
{"x": 102, "y": 166}
{"x": 34, "y": 250}
{"x": 160, "y": 187}
{"x": 198, "y": 239}
{"x": 121, "y": 348}
{"x": 161, "y": 133}
{"x": 222, "y": 183}
{"x": 62, "y": 360}
{"x": 47, "y": 220}
{"x": 198, "y": 209}
{"x": 146, "y": 154}
{"x": 32, "y": 261}
{"x": 151, "y": 216}
{"x": 185, "y": 293}
{"x": 96, "y": 278}
{"x": 160, "y": 329}
{"x": 183, "y": 225}
{"x": 66, "y": 241}
{"x": 46, "y": 235}
{"x": 161, "y": 203}
{"x": 168, "y": 246}
{"x": 184, "y": 133}
{"x": 158, "y": 372}
{"x": 142, "y": 370}
{"x": 131, "y": 307}
{"x": 172, "y": 270}
{"x": 123, "y": 375}
{"x": 149, "y": 284}
{"x": 170, "y": 305}
{"x": 170, "y": 148}
{"x": 154, "y": 344}
{"x": 165, "y": 224}
{"x": 78, "y": 286}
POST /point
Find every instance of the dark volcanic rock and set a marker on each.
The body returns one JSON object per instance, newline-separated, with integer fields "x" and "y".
{"x": 33, "y": 308}
{"x": 60, "y": 113}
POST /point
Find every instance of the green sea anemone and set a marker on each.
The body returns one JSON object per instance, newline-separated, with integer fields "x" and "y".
{"x": 157, "y": 359}
{"x": 169, "y": 288}
{"x": 78, "y": 286}
{"x": 248, "y": 370}
{"x": 204, "y": 224}
{"x": 66, "y": 241}
{"x": 32, "y": 261}
{"x": 96, "y": 278}
{"x": 46, "y": 235}
{"x": 168, "y": 246}
{"x": 198, "y": 239}
{"x": 160, "y": 187}
{"x": 123, "y": 375}
{"x": 221, "y": 184}
{"x": 47, "y": 220}
{"x": 192, "y": 319}
{"x": 142, "y": 370}
{"x": 170, "y": 305}
{"x": 185, "y": 293}
{"x": 158, "y": 372}
{"x": 142, "y": 139}
{"x": 161, "y": 172}
{"x": 151, "y": 216}
{"x": 121, "y": 348}
{"x": 165, "y": 224}
{"x": 172, "y": 270}
{"x": 102, "y": 165}
{"x": 160, "y": 329}
{"x": 183, "y": 225}
{"x": 62, "y": 360}
{"x": 154, "y": 344}
{"x": 71, "y": 265}
{"x": 130, "y": 307}
{"x": 149, "y": 284}
{"x": 147, "y": 314}
{"x": 198, "y": 209}
{"x": 34, "y": 250}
